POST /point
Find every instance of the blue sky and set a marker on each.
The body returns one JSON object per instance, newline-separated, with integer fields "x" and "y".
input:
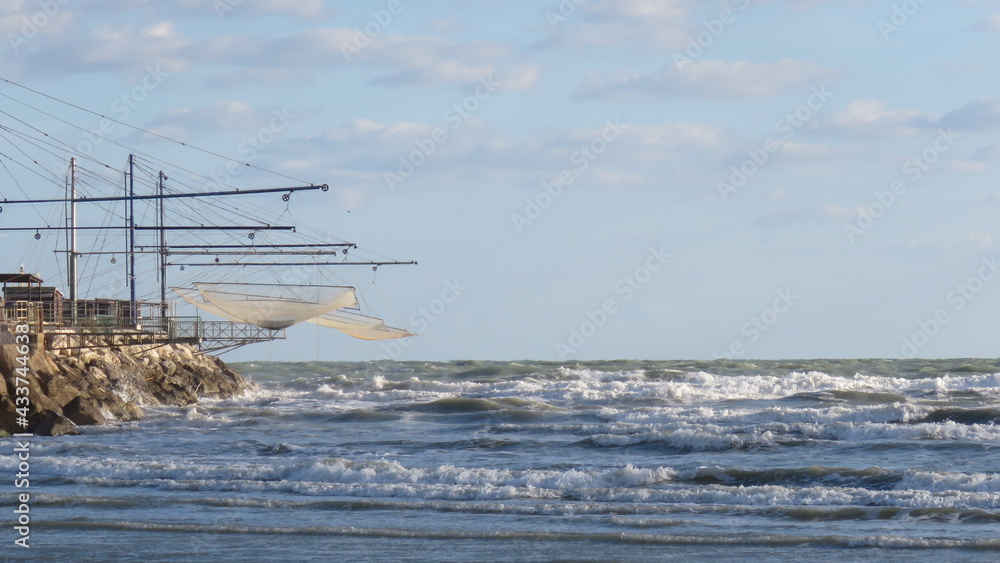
{"x": 580, "y": 179}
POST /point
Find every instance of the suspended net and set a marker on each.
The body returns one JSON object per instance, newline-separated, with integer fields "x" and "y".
{"x": 194, "y": 297}
{"x": 360, "y": 326}
{"x": 273, "y": 306}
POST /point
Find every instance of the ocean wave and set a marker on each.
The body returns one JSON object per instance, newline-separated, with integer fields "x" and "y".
{"x": 666, "y": 539}
{"x": 872, "y": 478}
{"x": 894, "y": 413}
{"x": 689, "y": 438}
{"x": 637, "y": 515}
{"x": 587, "y": 385}
{"x": 809, "y": 486}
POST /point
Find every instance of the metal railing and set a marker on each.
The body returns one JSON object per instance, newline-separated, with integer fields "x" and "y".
{"x": 112, "y": 313}
{"x": 237, "y": 332}
{"x": 110, "y": 323}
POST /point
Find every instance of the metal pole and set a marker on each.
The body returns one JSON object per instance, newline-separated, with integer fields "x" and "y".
{"x": 131, "y": 236}
{"x": 163, "y": 249}
{"x": 73, "y": 257}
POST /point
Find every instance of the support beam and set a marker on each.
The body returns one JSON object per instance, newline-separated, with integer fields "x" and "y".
{"x": 323, "y": 187}
{"x": 168, "y": 228}
{"x": 221, "y": 264}
{"x": 254, "y": 246}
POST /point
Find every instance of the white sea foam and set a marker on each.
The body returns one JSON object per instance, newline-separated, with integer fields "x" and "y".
{"x": 948, "y": 482}
{"x": 694, "y": 388}
{"x": 627, "y": 484}
{"x": 683, "y": 436}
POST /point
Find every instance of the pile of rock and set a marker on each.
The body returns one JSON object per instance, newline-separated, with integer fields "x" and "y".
{"x": 102, "y": 385}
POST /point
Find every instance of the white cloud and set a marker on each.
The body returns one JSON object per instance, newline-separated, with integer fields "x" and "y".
{"x": 404, "y": 60}
{"x": 989, "y": 152}
{"x": 617, "y": 179}
{"x": 362, "y": 150}
{"x": 713, "y": 78}
{"x": 980, "y": 241}
{"x": 639, "y": 9}
{"x": 222, "y": 9}
{"x": 408, "y": 60}
{"x": 836, "y": 211}
{"x": 678, "y": 135}
{"x": 968, "y": 167}
{"x": 660, "y": 25}
{"x": 259, "y": 76}
{"x": 979, "y": 115}
{"x": 107, "y": 48}
{"x": 991, "y": 24}
{"x": 361, "y": 130}
{"x": 25, "y": 27}
{"x": 786, "y": 215}
{"x": 872, "y": 118}
{"x": 234, "y": 115}
{"x": 296, "y": 8}
{"x": 645, "y": 24}
{"x": 806, "y": 151}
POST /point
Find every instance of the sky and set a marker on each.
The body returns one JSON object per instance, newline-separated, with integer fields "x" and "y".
{"x": 578, "y": 179}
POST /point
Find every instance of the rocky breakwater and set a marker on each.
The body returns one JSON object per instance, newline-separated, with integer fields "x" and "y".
{"x": 90, "y": 386}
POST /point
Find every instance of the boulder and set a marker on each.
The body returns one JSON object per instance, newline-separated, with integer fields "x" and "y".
{"x": 105, "y": 385}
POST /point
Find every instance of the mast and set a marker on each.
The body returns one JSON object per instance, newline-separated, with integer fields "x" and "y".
{"x": 163, "y": 247}
{"x": 73, "y": 256}
{"x": 130, "y": 224}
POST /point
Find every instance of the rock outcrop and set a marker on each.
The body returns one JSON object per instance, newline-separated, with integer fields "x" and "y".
{"x": 102, "y": 385}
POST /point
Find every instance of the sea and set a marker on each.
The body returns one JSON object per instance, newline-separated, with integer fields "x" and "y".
{"x": 812, "y": 460}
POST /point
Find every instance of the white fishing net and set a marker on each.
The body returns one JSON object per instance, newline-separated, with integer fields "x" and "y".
{"x": 272, "y": 306}
{"x": 194, "y": 297}
{"x": 360, "y": 326}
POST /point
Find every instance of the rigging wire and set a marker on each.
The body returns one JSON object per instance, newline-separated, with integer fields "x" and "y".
{"x": 140, "y": 129}
{"x": 145, "y": 176}
{"x": 30, "y": 141}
